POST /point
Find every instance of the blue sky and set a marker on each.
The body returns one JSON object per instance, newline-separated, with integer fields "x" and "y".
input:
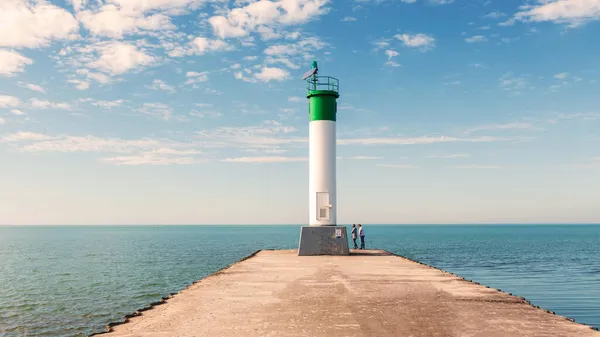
{"x": 192, "y": 112}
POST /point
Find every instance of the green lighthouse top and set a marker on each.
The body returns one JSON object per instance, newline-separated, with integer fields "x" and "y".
{"x": 320, "y": 85}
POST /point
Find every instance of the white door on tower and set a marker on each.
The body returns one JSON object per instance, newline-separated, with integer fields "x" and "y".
{"x": 323, "y": 206}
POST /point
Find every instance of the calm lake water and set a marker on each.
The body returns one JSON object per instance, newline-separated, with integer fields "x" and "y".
{"x": 72, "y": 281}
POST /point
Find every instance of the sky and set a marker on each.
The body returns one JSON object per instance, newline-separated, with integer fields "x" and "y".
{"x": 193, "y": 112}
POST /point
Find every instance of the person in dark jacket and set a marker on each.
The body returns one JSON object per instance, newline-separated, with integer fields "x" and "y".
{"x": 354, "y": 236}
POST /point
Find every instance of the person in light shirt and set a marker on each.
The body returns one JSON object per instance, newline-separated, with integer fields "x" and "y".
{"x": 361, "y": 233}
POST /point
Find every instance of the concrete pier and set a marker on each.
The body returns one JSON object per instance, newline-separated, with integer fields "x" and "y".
{"x": 369, "y": 293}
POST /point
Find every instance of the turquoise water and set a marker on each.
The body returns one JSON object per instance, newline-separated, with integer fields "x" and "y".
{"x": 71, "y": 281}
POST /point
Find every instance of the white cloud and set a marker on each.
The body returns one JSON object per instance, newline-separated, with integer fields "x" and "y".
{"x": 35, "y": 103}
{"x": 17, "y": 112}
{"x": 12, "y": 62}
{"x": 423, "y": 41}
{"x": 149, "y": 159}
{"x": 476, "y": 38}
{"x": 381, "y": 44}
{"x": 262, "y": 14}
{"x": 561, "y": 76}
{"x": 391, "y": 53}
{"x": 2, "y": 121}
{"x": 572, "y": 12}
{"x": 398, "y": 166}
{"x": 294, "y": 99}
{"x": 476, "y": 167}
{"x": 265, "y": 159}
{"x": 348, "y": 19}
{"x": 205, "y": 113}
{"x": 302, "y": 47}
{"x": 7, "y": 101}
{"x": 80, "y": 84}
{"x": 33, "y": 87}
{"x": 110, "y": 21}
{"x": 194, "y": 77}
{"x": 455, "y": 82}
{"x": 211, "y": 91}
{"x": 422, "y": 140}
{"x": 99, "y": 77}
{"x": 202, "y": 45}
{"x": 360, "y": 158}
{"x": 587, "y": 116}
{"x": 40, "y": 142}
{"x": 269, "y": 135}
{"x": 161, "y": 85}
{"x": 23, "y": 136}
{"x": 448, "y": 156}
{"x": 32, "y": 24}
{"x": 295, "y": 53}
{"x": 144, "y": 151}
{"x": 510, "y": 82}
{"x": 118, "y": 57}
{"x": 159, "y": 110}
{"x": 170, "y": 6}
{"x": 494, "y": 15}
{"x": 507, "y": 126}
{"x": 105, "y": 104}
{"x": 267, "y": 74}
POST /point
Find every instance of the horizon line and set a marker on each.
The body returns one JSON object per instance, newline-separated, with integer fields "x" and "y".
{"x": 274, "y": 224}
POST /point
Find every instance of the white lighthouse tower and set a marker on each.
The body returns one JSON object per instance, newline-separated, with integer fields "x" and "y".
{"x": 322, "y": 236}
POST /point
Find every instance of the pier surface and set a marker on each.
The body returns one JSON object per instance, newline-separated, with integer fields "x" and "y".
{"x": 373, "y": 293}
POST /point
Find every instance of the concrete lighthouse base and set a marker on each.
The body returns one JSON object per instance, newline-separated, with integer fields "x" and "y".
{"x": 323, "y": 240}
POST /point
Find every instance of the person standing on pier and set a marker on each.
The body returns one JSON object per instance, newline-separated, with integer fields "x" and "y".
{"x": 354, "y": 236}
{"x": 361, "y": 232}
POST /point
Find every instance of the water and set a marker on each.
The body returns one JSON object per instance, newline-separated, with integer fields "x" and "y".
{"x": 71, "y": 281}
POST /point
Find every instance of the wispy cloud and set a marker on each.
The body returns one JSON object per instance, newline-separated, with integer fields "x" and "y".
{"x": 158, "y": 84}
{"x": 571, "y": 12}
{"x": 506, "y": 126}
{"x": 476, "y": 167}
{"x": 143, "y": 151}
{"x": 587, "y": 116}
{"x": 265, "y": 159}
{"x": 149, "y": 159}
{"x": 423, "y": 140}
{"x": 398, "y": 166}
{"x": 33, "y": 87}
{"x": 41, "y": 104}
{"x": 513, "y": 83}
{"x": 7, "y": 101}
{"x": 448, "y": 156}
{"x": 476, "y": 39}
{"x": 422, "y": 41}
{"x": 360, "y": 158}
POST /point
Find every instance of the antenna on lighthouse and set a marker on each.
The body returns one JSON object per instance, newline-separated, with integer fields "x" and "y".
{"x": 311, "y": 72}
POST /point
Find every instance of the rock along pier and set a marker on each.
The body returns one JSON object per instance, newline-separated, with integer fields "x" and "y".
{"x": 366, "y": 293}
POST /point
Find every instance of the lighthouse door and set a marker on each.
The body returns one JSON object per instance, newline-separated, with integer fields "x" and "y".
{"x": 323, "y": 206}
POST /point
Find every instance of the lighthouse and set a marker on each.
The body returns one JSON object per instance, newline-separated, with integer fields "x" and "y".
{"x": 322, "y": 236}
